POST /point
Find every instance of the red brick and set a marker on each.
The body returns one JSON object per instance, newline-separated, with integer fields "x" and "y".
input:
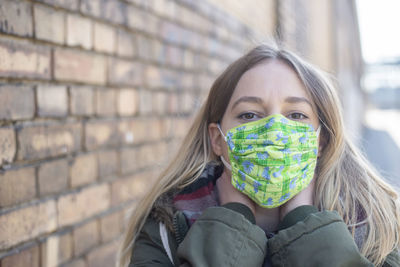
{"x": 17, "y": 186}
{"x": 41, "y": 141}
{"x": 107, "y": 162}
{"x": 103, "y": 256}
{"x": 110, "y": 226}
{"x": 56, "y": 249}
{"x": 73, "y": 208}
{"x": 8, "y": 146}
{"x": 105, "y": 102}
{"x": 104, "y": 38}
{"x": 27, "y": 257}
{"x": 53, "y": 177}
{"x": 125, "y": 72}
{"x": 128, "y": 102}
{"x": 21, "y": 59}
{"x": 16, "y": 102}
{"x": 125, "y": 44}
{"x": 68, "y": 4}
{"x": 79, "y": 31}
{"x": 85, "y": 237}
{"x": 81, "y": 101}
{"x": 49, "y": 24}
{"x": 27, "y": 223}
{"x": 52, "y": 100}
{"x": 131, "y": 188}
{"x": 72, "y": 65}
{"x": 83, "y": 170}
{"x": 16, "y": 17}
{"x": 100, "y": 134}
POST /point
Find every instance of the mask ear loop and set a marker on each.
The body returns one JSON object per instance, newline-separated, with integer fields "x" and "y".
{"x": 220, "y": 130}
{"x": 318, "y": 130}
{"x": 227, "y": 165}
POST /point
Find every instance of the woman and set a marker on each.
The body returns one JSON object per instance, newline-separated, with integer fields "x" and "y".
{"x": 266, "y": 177}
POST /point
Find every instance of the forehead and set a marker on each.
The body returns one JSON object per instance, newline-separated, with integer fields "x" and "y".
{"x": 270, "y": 80}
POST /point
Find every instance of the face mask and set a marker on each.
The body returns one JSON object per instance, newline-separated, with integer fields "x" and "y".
{"x": 272, "y": 159}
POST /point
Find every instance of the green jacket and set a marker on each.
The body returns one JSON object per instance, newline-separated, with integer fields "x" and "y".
{"x": 228, "y": 236}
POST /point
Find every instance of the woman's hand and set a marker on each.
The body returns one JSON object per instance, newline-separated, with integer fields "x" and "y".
{"x": 228, "y": 193}
{"x": 305, "y": 197}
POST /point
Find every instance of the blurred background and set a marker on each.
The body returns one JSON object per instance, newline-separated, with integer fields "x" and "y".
{"x": 95, "y": 95}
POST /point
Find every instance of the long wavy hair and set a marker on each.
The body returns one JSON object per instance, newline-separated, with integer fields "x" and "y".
{"x": 345, "y": 181}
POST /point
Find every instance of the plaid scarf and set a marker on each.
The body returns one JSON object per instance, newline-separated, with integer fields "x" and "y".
{"x": 200, "y": 195}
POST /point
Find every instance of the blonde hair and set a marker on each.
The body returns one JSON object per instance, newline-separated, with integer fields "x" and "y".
{"x": 345, "y": 180}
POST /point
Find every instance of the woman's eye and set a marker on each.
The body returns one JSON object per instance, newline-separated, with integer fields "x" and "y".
{"x": 297, "y": 116}
{"x": 248, "y": 116}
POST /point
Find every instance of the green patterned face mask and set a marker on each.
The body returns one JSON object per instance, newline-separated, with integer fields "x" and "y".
{"x": 272, "y": 159}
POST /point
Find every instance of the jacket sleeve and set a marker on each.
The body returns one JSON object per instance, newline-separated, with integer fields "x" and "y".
{"x": 393, "y": 259}
{"x": 148, "y": 250}
{"x": 224, "y": 236}
{"x": 311, "y": 238}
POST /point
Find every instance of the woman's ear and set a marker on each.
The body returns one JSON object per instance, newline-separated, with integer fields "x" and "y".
{"x": 216, "y": 138}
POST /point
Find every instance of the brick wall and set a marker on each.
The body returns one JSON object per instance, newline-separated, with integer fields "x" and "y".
{"x": 96, "y": 94}
{"x": 93, "y": 97}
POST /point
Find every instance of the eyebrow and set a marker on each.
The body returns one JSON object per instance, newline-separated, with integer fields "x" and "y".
{"x": 257, "y": 100}
{"x": 251, "y": 99}
{"x": 295, "y": 99}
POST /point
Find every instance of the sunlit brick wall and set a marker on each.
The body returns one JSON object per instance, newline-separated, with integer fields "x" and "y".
{"x": 94, "y": 97}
